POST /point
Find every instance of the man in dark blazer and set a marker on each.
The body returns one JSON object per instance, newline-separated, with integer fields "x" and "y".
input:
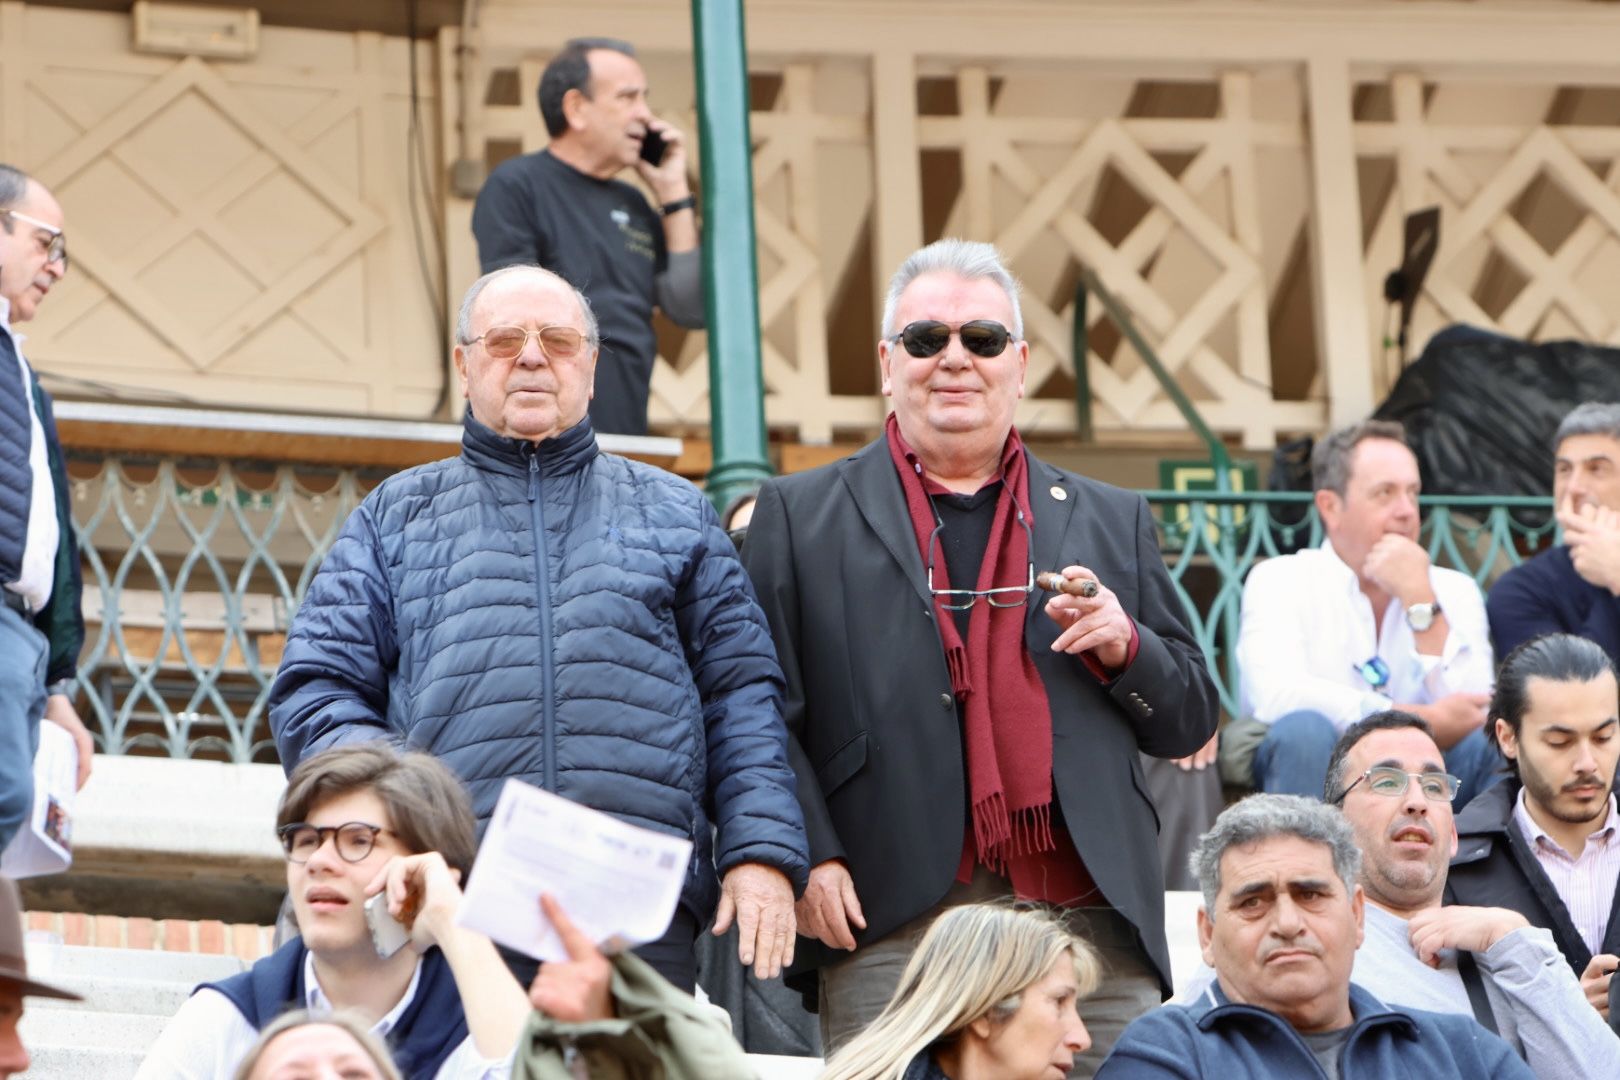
{"x": 958, "y": 733}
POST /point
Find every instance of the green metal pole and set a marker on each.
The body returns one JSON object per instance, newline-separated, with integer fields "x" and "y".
{"x": 730, "y": 280}
{"x": 1080, "y": 344}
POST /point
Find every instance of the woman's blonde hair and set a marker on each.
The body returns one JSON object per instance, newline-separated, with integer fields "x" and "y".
{"x": 348, "y": 1022}
{"x": 975, "y": 961}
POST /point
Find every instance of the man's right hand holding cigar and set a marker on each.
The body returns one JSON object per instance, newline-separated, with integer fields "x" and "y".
{"x": 1094, "y": 624}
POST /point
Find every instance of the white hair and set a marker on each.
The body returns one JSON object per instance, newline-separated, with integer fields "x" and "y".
{"x": 464, "y": 316}
{"x": 965, "y": 258}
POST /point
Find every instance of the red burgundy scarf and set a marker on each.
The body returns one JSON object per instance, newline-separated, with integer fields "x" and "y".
{"x": 1009, "y": 749}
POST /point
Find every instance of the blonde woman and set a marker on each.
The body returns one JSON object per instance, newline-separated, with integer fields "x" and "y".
{"x": 301, "y": 1043}
{"x": 990, "y": 994}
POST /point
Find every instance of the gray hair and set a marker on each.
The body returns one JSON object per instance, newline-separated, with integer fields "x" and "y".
{"x": 13, "y": 186}
{"x": 1330, "y": 457}
{"x": 468, "y": 302}
{"x": 1267, "y": 817}
{"x": 1589, "y": 418}
{"x": 964, "y": 258}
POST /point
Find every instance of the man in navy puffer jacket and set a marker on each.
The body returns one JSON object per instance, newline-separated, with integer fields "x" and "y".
{"x": 538, "y": 609}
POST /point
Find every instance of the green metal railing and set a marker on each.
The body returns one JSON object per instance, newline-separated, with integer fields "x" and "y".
{"x": 1211, "y": 540}
{"x": 193, "y": 575}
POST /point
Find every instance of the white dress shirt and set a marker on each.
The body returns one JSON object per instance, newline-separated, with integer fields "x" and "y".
{"x": 1307, "y": 627}
{"x": 39, "y": 546}
{"x": 1585, "y": 882}
{"x": 208, "y": 1038}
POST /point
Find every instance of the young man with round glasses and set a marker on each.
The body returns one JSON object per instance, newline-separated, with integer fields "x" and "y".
{"x": 354, "y": 822}
{"x": 960, "y": 735}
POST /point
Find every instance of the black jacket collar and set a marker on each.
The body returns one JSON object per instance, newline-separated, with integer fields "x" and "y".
{"x": 567, "y": 452}
{"x": 1484, "y": 821}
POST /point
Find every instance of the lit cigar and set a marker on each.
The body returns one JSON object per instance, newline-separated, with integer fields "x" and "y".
{"x": 1052, "y": 581}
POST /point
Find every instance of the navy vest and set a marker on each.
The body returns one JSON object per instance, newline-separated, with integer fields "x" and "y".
{"x": 428, "y": 1031}
{"x": 16, "y": 477}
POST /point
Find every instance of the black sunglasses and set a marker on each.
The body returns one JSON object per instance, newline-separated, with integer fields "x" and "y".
{"x": 981, "y": 337}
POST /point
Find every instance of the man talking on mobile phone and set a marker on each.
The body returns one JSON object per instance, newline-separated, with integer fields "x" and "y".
{"x": 361, "y": 823}
{"x": 563, "y": 208}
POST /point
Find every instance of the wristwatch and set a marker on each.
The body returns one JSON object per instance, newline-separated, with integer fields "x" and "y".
{"x": 1421, "y": 616}
{"x": 60, "y": 686}
{"x": 688, "y": 202}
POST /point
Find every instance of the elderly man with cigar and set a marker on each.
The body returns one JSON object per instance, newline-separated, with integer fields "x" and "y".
{"x": 958, "y": 732}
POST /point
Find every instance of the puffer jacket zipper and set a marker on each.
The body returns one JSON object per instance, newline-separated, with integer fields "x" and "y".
{"x": 542, "y": 591}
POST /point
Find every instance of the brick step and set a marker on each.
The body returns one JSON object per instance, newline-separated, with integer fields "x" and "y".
{"x": 244, "y": 940}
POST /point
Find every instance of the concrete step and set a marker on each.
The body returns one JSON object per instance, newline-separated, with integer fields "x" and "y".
{"x": 47, "y": 961}
{"x": 777, "y": 1067}
{"x": 107, "y": 994}
{"x": 81, "y": 1063}
{"x": 1181, "y": 933}
{"x": 83, "y": 1028}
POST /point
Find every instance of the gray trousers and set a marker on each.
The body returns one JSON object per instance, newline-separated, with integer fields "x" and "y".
{"x": 1187, "y": 803}
{"x": 854, "y": 991}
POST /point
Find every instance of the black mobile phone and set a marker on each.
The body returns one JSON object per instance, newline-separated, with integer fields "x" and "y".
{"x": 652, "y": 147}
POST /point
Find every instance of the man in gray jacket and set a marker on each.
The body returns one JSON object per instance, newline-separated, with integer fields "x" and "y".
{"x": 1389, "y": 777}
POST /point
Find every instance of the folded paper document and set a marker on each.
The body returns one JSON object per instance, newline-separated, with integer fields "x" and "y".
{"x": 617, "y": 882}
{"x": 45, "y": 844}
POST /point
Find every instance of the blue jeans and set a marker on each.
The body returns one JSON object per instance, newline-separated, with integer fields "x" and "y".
{"x": 1293, "y": 758}
{"x": 23, "y": 655}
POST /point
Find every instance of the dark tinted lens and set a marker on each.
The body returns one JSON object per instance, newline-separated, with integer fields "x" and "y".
{"x": 925, "y": 338}
{"x": 354, "y": 841}
{"x": 984, "y": 338}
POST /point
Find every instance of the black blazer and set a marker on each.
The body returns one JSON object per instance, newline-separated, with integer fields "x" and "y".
{"x": 1494, "y": 867}
{"x": 875, "y": 741}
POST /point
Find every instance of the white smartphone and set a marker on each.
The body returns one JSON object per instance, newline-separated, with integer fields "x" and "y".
{"x": 388, "y": 934}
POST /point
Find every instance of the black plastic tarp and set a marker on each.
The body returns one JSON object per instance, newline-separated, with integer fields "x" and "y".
{"x": 1480, "y": 409}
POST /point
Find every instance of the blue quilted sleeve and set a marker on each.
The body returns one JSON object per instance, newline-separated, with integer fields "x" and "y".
{"x": 733, "y": 661}
{"x": 332, "y": 686}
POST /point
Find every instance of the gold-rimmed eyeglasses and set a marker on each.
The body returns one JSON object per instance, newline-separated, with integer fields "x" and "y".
{"x": 506, "y": 342}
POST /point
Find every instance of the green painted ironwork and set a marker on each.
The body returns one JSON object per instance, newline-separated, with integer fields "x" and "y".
{"x": 193, "y": 574}
{"x": 730, "y": 277}
{"x": 1211, "y": 540}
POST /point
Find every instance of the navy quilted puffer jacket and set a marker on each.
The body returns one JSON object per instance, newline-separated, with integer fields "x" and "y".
{"x": 567, "y": 617}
